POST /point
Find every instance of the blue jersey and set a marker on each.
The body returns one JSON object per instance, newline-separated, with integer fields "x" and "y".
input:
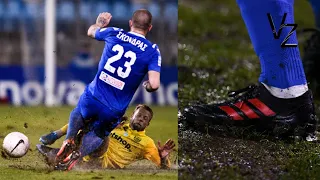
{"x": 126, "y": 59}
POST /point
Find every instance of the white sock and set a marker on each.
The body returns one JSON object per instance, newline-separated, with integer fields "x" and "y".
{"x": 287, "y": 93}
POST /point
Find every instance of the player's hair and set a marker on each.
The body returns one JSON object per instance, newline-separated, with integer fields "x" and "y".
{"x": 141, "y": 19}
{"x": 146, "y": 108}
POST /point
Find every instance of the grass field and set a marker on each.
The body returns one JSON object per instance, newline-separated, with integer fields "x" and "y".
{"x": 216, "y": 56}
{"x": 36, "y": 121}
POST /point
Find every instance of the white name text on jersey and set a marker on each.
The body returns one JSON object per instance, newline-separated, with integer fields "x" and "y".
{"x": 124, "y": 37}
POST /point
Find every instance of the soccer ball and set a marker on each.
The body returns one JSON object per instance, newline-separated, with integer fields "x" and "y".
{"x": 16, "y": 144}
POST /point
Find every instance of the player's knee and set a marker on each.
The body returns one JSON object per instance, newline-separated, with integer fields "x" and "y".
{"x": 99, "y": 131}
{"x": 76, "y": 114}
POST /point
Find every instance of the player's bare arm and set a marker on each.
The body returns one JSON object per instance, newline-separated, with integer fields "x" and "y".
{"x": 164, "y": 151}
{"x": 102, "y": 21}
{"x": 154, "y": 81}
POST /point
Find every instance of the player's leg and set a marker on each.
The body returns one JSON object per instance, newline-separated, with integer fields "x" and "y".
{"x": 50, "y": 138}
{"x": 282, "y": 73}
{"x": 48, "y": 153}
{"x": 92, "y": 141}
{"x": 87, "y": 108}
{"x": 281, "y": 68}
{"x": 51, "y": 153}
{"x": 281, "y": 96}
{"x": 101, "y": 129}
{"x": 76, "y": 122}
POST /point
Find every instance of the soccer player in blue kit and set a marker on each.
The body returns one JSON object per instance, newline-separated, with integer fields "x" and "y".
{"x": 127, "y": 57}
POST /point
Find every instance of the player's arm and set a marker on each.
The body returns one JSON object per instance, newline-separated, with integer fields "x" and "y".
{"x": 159, "y": 155}
{"x": 102, "y": 21}
{"x": 154, "y": 81}
{"x": 92, "y": 30}
{"x": 154, "y": 72}
{"x": 164, "y": 152}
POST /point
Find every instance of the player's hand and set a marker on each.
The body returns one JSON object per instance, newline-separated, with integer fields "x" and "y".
{"x": 145, "y": 84}
{"x": 166, "y": 148}
{"x": 103, "y": 19}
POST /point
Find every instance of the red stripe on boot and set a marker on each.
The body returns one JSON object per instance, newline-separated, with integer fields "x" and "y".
{"x": 262, "y": 107}
{"x": 246, "y": 110}
{"x": 231, "y": 112}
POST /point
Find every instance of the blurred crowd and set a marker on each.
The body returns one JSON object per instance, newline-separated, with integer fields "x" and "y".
{"x": 22, "y": 29}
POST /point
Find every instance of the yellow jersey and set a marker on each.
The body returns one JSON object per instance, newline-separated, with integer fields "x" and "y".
{"x": 127, "y": 146}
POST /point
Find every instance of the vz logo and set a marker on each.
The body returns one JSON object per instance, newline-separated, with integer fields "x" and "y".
{"x": 276, "y": 34}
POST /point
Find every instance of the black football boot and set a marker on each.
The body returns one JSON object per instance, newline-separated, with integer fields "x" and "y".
{"x": 255, "y": 105}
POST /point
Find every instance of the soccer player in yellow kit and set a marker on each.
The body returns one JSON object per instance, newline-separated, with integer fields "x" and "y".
{"x": 126, "y": 144}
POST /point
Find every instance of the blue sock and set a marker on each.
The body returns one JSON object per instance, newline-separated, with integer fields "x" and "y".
{"x": 90, "y": 143}
{"x": 76, "y": 122}
{"x": 315, "y": 4}
{"x": 280, "y": 67}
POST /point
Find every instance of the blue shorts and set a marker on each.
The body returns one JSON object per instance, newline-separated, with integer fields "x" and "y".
{"x": 103, "y": 119}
